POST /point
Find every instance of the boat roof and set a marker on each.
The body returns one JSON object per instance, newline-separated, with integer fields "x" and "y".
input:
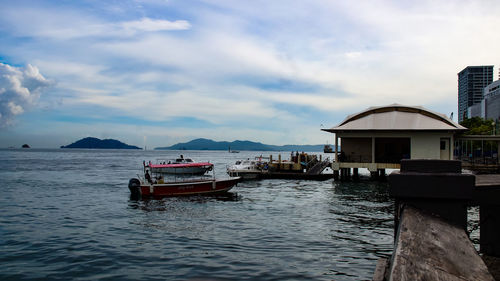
{"x": 181, "y": 165}
{"x": 397, "y": 117}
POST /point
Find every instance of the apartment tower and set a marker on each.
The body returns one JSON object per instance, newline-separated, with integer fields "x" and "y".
{"x": 471, "y": 82}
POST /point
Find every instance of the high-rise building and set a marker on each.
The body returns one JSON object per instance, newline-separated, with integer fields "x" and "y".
{"x": 471, "y": 82}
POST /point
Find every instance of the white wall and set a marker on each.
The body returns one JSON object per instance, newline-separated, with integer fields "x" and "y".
{"x": 424, "y": 145}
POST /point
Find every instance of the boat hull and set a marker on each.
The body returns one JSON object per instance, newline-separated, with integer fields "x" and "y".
{"x": 245, "y": 174}
{"x": 205, "y": 187}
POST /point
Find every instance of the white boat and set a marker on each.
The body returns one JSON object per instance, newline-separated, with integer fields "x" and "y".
{"x": 180, "y": 165}
{"x": 248, "y": 169}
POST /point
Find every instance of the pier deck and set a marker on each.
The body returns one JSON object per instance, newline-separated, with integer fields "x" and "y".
{"x": 487, "y": 180}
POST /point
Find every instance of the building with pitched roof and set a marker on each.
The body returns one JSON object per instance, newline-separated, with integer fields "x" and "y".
{"x": 379, "y": 137}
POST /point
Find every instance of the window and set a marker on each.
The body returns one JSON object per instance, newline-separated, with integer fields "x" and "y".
{"x": 443, "y": 145}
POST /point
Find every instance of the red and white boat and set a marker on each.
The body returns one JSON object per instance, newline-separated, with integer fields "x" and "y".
{"x": 156, "y": 186}
{"x": 179, "y": 166}
{"x": 195, "y": 187}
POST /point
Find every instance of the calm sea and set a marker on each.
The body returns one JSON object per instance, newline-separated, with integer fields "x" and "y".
{"x": 67, "y": 214}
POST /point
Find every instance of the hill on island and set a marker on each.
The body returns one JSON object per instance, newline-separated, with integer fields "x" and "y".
{"x": 206, "y": 144}
{"x": 100, "y": 144}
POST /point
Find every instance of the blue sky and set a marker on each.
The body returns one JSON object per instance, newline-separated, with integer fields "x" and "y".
{"x": 158, "y": 72}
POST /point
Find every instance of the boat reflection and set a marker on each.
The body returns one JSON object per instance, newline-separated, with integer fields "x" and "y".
{"x": 153, "y": 205}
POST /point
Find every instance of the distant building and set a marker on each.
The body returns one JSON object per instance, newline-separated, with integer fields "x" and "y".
{"x": 489, "y": 107}
{"x": 492, "y": 89}
{"x": 471, "y": 82}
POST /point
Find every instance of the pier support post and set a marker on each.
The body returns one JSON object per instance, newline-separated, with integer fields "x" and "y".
{"x": 355, "y": 173}
{"x": 487, "y": 196}
{"x": 336, "y": 175}
{"x": 381, "y": 173}
{"x": 345, "y": 174}
{"x": 489, "y": 235}
{"x": 436, "y": 186}
{"x": 430, "y": 238}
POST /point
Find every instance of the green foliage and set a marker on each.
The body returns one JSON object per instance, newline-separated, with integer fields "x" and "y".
{"x": 478, "y": 126}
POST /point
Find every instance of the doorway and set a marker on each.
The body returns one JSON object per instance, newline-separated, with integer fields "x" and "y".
{"x": 444, "y": 149}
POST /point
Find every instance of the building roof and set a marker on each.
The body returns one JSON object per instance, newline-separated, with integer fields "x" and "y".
{"x": 397, "y": 117}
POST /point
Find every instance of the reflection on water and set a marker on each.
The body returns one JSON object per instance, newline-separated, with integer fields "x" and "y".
{"x": 163, "y": 204}
{"x": 67, "y": 214}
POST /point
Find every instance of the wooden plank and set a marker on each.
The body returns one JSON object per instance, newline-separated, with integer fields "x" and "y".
{"x": 487, "y": 190}
{"x": 379, "y": 274}
{"x": 429, "y": 248}
{"x": 487, "y": 180}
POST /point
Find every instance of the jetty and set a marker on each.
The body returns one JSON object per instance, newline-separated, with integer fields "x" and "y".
{"x": 431, "y": 238}
{"x": 299, "y": 166}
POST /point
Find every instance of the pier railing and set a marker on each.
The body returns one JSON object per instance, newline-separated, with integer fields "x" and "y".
{"x": 431, "y": 241}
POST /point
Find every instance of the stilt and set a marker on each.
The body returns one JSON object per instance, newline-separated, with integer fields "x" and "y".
{"x": 355, "y": 173}
{"x": 381, "y": 173}
{"x": 336, "y": 175}
{"x": 344, "y": 174}
{"x": 373, "y": 175}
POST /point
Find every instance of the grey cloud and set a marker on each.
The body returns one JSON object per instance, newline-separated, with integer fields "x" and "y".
{"x": 20, "y": 89}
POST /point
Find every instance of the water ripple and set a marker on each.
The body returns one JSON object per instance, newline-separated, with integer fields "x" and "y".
{"x": 67, "y": 214}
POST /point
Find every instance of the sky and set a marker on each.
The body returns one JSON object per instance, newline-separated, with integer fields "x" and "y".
{"x": 154, "y": 73}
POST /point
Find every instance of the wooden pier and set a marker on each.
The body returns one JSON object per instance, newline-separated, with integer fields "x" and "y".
{"x": 300, "y": 166}
{"x": 431, "y": 241}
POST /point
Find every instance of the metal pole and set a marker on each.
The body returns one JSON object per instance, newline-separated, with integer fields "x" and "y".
{"x": 336, "y": 148}
{"x": 482, "y": 150}
{"x": 373, "y": 150}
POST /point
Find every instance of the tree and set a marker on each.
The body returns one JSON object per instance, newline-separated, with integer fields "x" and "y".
{"x": 478, "y": 126}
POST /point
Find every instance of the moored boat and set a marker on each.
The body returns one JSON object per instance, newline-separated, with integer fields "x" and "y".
{"x": 179, "y": 165}
{"x": 248, "y": 169}
{"x": 327, "y": 148}
{"x": 300, "y": 166}
{"x": 210, "y": 186}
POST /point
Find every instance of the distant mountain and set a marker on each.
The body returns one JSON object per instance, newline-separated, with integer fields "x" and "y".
{"x": 206, "y": 144}
{"x": 101, "y": 144}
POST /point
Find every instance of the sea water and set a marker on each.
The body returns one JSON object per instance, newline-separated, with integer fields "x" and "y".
{"x": 67, "y": 214}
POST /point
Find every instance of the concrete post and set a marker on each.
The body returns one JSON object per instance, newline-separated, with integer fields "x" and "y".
{"x": 337, "y": 148}
{"x": 355, "y": 173}
{"x": 490, "y": 229}
{"x": 487, "y": 196}
{"x": 435, "y": 186}
{"x": 373, "y": 149}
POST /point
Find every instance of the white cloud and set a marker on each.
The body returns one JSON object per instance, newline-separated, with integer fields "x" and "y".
{"x": 21, "y": 89}
{"x": 14, "y": 108}
{"x": 69, "y": 24}
{"x": 352, "y": 55}
{"x": 151, "y": 25}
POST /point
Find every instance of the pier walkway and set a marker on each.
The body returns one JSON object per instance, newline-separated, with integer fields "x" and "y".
{"x": 319, "y": 167}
